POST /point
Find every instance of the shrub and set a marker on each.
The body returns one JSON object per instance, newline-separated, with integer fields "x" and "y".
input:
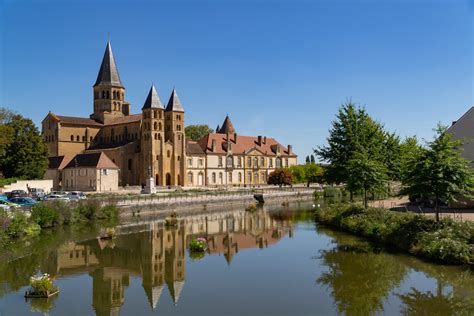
{"x": 108, "y": 212}
{"x": 44, "y": 215}
{"x": 446, "y": 241}
{"x": 17, "y": 225}
{"x": 85, "y": 211}
{"x": 42, "y": 285}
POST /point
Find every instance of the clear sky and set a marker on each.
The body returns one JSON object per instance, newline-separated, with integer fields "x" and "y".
{"x": 278, "y": 68}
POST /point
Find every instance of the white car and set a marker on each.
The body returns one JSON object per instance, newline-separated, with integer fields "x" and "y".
{"x": 56, "y": 197}
{"x": 76, "y": 195}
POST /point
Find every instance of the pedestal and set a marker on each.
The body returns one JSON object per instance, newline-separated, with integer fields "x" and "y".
{"x": 150, "y": 186}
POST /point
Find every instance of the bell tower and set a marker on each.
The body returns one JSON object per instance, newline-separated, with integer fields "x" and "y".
{"x": 109, "y": 93}
{"x": 152, "y": 137}
{"x": 175, "y": 140}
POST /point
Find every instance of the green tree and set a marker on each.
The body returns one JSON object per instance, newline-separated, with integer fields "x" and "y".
{"x": 352, "y": 131}
{"x": 6, "y": 132}
{"x": 312, "y": 159}
{"x": 26, "y": 156}
{"x": 307, "y": 159}
{"x": 280, "y": 177}
{"x": 196, "y": 132}
{"x": 439, "y": 171}
{"x": 366, "y": 175}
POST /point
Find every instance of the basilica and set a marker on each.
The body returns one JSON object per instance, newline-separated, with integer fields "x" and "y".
{"x": 114, "y": 148}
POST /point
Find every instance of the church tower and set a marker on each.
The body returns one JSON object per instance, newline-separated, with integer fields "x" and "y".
{"x": 175, "y": 154}
{"x": 152, "y": 137}
{"x": 109, "y": 93}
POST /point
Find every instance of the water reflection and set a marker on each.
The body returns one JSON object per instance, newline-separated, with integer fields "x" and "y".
{"x": 361, "y": 278}
{"x": 157, "y": 253}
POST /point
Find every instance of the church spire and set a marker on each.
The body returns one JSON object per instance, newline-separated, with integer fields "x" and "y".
{"x": 153, "y": 100}
{"x": 227, "y": 127}
{"x": 108, "y": 74}
{"x": 174, "y": 105}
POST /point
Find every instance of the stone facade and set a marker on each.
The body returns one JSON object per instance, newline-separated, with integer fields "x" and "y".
{"x": 152, "y": 144}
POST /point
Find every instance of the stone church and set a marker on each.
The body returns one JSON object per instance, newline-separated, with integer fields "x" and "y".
{"x": 151, "y": 144}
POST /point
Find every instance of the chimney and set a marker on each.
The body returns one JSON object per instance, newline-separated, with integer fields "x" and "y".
{"x": 235, "y": 138}
{"x": 265, "y": 140}
{"x": 259, "y": 142}
{"x": 213, "y": 146}
{"x": 290, "y": 150}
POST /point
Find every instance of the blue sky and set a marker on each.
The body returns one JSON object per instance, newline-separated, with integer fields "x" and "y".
{"x": 278, "y": 68}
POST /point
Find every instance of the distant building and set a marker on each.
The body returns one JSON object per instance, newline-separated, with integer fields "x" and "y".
{"x": 152, "y": 144}
{"x": 464, "y": 129}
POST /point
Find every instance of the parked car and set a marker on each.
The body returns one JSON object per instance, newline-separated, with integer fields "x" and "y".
{"x": 37, "y": 193}
{"x": 3, "y": 197}
{"x": 23, "y": 201}
{"x": 17, "y": 193}
{"x": 56, "y": 197}
{"x": 9, "y": 204}
{"x": 59, "y": 192}
{"x": 76, "y": 195}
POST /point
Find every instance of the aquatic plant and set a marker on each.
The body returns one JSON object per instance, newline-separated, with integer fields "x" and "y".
{"x": 198, "y": 245}
{"x": 41, "y": 286}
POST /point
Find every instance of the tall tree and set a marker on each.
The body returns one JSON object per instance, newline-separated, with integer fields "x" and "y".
{"x": 352, "y": 131}
{"x": 366, "y": 175}
{"x": 196, "y": 132}
{"x": 280, "y": 177}
{"x": 439, "y": 171}
{"x": 6, "y": 132}
{"x": 312, "y": 159}
{"x": 26, "y": 156}
{"x": 307, "y": 159}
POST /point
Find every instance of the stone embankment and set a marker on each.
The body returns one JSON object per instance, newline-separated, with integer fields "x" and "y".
{"x": 201, "y": 198}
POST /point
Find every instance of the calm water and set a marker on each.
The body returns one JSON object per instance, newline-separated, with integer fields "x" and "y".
{"x": 274, "y": 261}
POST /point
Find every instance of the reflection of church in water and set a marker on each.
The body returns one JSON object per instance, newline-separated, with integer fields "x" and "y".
{"x": 158, "y": 254}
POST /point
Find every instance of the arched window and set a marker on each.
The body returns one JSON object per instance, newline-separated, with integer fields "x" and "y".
{"x": 249, "y": 162}
{"x": 190, "y": 177}
{"x": 159, "y": 126}
{"x": 168, "y": 154}
{"x": 213, "y": 177}
{"x": 220, "y": 178}
{"x": 156, "y": 136}
{"x": 72, "y": 138}
{"x": 249, "y": 177}
{"x": 155, "y": 114}
{"x": 278, "y": 162}
{"x": 240, "y": 176}
{"x": 107, "y": 94}
{"x": 255, "y": 177}
{"x": 159, "y": 136}
{"x": 155, "y": 125}
{"x": 230, "y": 162}
{"x": 114, "y": 94}
{"x": 103, "y": 94}
{"x": 255, "y": 162}
{"x": 77, "y": 138}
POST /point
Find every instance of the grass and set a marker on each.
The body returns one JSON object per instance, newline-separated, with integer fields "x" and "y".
{"x": 447, "y": 241}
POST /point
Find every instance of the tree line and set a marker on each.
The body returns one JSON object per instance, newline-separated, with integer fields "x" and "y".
{"x": 23, "y": 154}
{"x": 366, "y": 158}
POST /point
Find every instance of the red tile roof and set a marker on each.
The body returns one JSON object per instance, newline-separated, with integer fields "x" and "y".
{"x": 73, "y": 120}
{"x": 96, "y": 160}
{"x": 243, "y": 144}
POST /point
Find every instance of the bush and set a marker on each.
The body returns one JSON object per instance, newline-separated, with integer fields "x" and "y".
{"x": 198, "y": 245}
{"x": 445, "y": 241}
{"x": 108, "y": 212}
{"x": 44, "y": 215}
{"x": 85, "y": 211}
{"x": 17, "y": 225}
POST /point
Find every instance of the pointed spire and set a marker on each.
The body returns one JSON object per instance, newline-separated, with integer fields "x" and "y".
{"x": 108, "y": 74}
{"x": 175, "y": 290}
{"x": 227, "y": 127}
{"x": 174, "y": 104}
{"x": 153, "y": 100}
{"x": 218, "y": 128}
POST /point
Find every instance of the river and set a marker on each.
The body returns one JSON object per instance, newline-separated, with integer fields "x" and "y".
{"x": 273, "y": 261}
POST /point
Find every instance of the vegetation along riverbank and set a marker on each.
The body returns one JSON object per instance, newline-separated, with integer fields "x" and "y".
{"x": 22, "y": 224}
{"x": 443, "y": 241}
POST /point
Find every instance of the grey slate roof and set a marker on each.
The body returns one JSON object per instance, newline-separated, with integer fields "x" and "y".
{"x": 153, "y": 100}
{"x": 108, "y": 73}
{"x": 174, "y": 104}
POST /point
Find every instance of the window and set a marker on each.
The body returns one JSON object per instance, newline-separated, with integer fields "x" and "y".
{"x": 255, "y": 177}
{"x": 155, "y": 115}
{"x": 156, "y": 136}
{"x": 263, "y": 177}
{"x": 190, "y": 162}
{"x": 270, "y": 162}
{"x": 255, "y": 162}
{"x": 159, "y": 126}
{"x": 178, "y": 117}
{"x": 230, "y": 162}
{"x": 220, "y": 178}
{"x": 213, "y": 177}
{"x": 219, "y": 162}
{"x": 278, "y": 162}
{"x": 249, "y": 177}
{"x": 90, "y": 139}
{"x": 286, "y": 162}
{"x": 240, "y": 176}
{"x": 155, "y": 125}
{"x": 190, "y": 177}
{"x": 200, "y": 163}
{"x": 179, "y": 158}
{"x": 168, "y": 154}
{"x": 104, "y": 172}
{"x": 229, "y": 179}
{"x": 83, "y": 138}
{"x": 178, "y": 127}
{"x": 72, "y": 138}
{"x": 262, "y": 162}
{"x": 239, "y": 162}
{"x": 249, "y": 162}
